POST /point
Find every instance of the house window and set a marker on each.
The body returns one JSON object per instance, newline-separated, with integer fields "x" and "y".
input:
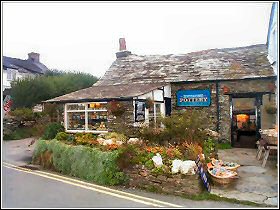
{"x": 11, "y": 75}
{"x": 86, "y": 117}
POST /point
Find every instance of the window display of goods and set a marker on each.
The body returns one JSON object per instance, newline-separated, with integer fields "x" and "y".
{"x": 97, "y": 105}
{"x": 92, "y": 105}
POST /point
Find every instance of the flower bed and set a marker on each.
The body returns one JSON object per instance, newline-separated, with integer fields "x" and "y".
{"x": 113, "y": 159}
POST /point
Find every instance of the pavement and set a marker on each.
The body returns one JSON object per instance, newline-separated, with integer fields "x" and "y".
{"x": 18, "y": 152}
{"x": 255, "y": 183}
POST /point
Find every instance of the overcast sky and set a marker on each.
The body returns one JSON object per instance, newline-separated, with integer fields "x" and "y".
{"x": 84, "y": 36}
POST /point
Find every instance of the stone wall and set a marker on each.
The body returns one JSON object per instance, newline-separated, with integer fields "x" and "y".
{"x": 177, "y": 184}
{"x": 223, "y": 126}
{"x": 208, "y": 112}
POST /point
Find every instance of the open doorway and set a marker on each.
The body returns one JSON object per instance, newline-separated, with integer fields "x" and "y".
{"x": 244, "y": 122}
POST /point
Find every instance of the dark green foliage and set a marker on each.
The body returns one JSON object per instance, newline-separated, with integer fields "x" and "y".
{"x": 186, "y": 126}
{"x": 81, "y": 161}
{"x": 62, "y": 136}
{"x": 52, "y": 129}
{"x": 21, "y": 114}
{"x": 31, "y": 91}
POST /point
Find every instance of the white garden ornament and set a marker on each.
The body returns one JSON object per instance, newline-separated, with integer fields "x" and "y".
{"x": 157, "y": 160}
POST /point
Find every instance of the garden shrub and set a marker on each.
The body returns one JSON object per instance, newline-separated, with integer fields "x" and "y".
{"x": 209, "y": 149}
{"x": 22, "y": 114}
{"x": 84, "y": 162}
{"x": 61, "y": 136}
{"x": 117, "y": 136}
{"x": 184, "y": 126}
{"x": 85, "y": 138}
{"x": 52, "y": 129}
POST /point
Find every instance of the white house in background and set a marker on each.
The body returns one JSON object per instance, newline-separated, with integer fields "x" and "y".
{"x": 14, "y": 68}
{"x": 272, "y": 38}
{"x": 272, "y": 47}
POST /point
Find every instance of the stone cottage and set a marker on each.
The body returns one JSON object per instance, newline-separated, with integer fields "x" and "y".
{"x": 232, "y": 86}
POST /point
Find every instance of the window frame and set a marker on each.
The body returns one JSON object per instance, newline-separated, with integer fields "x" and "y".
{"x": 86, "y": 111}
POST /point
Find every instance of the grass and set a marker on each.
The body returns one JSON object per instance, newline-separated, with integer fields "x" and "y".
{"x": 224, "y": 146}
{"x": 207, "y": 196}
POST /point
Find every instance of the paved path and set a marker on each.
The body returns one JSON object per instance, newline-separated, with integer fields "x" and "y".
{"x": 256, "y": 184}
{"x": 25, "y": 188}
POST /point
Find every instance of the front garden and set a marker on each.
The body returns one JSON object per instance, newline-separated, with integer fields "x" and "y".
{"x": 160, "y": 159}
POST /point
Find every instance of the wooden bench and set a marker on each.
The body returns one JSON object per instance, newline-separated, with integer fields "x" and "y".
{"x": 266, "y": 153}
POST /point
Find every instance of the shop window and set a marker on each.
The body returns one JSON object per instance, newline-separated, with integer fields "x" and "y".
{"x": 92, "y": 117}
{"x": 76, "y": 121}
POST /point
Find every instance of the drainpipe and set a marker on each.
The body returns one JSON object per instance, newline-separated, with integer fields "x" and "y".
{"x": 218, "y": 107}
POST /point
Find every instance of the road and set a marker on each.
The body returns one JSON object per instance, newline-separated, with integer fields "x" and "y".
{"x": 27, "y": 188}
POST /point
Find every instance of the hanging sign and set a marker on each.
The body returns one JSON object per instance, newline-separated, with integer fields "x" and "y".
{"x": 202, "y": 174}
{"x": 193, "y": 98}
{"x": 139, "y": 111}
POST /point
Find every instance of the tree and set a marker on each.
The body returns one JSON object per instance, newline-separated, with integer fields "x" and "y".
{"x": 31, "y": 91}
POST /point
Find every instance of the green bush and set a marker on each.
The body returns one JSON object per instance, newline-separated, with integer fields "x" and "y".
{"x": 23, "y": 114}
{"x": 81, "y": 161}
{"x": 61, "y": 136}
{"x": 52, "y": 129}
{"x": 184, "y": 126}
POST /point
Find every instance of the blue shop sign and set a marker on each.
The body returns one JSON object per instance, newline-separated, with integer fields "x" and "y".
{"x": 193, "y": 98}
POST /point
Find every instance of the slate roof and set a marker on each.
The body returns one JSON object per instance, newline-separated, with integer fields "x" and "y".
{"x": 24, "y": 65}
{"x": 107, "y": 92}
{"x": 212, "y": 64}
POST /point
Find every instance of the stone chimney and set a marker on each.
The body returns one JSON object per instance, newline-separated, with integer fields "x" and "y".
{"x": 123, "y": 52}
{"x": 34, "y": 57}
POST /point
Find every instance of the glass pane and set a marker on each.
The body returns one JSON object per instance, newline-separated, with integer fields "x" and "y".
{"x": 76, "y": 106}
{"x": 97, "y": 106}
{"x": 76, "y": 121}
{"x": 97, "y": 121}
{"x": 158, "y": 113}
{"x": 240, "y": 104}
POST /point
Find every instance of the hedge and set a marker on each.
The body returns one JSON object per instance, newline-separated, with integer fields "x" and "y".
{"x": 81, "y": 161}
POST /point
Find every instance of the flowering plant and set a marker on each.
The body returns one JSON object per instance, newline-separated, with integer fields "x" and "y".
{"x": 116, "y": 108}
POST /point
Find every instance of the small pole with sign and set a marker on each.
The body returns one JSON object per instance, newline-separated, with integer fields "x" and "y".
{"x": 202, "y": 174}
